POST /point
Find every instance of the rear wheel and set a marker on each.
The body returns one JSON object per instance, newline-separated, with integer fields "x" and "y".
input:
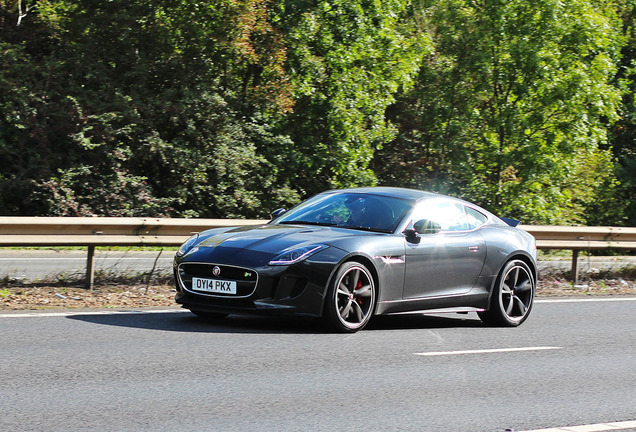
{"x": 350, "y": 299}
{"x": 512, "y": 297}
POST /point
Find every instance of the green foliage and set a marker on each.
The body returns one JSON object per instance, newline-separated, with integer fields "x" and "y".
{"x": 231, "y": 108}
{"x": 349, "y": 58}
{"x": 149, "y": 105}
{"x": 511, "y": 108}
{"x": 623, "y": 140}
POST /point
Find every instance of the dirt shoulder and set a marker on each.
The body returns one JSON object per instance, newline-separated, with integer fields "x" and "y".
{"x": 138, "y": 296}
{"x": 114, "y": 296}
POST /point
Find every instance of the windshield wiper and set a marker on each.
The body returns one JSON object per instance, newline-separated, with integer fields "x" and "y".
{"x": 331, "y": 224}
{"x": 307, "y": 223}
{"x": 362, "y": 228}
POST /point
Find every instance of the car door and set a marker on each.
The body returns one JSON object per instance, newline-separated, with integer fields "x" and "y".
{"x": 448, "y": 259}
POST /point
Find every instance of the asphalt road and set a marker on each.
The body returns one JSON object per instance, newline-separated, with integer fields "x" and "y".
{"x": 32, "y": 265}
{"x": 571, "y": 363}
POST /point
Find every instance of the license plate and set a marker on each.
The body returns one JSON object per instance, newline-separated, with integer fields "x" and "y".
{"x": 214, "y": 285}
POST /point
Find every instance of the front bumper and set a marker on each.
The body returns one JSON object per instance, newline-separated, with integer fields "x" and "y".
{"x": 278, "y": 290}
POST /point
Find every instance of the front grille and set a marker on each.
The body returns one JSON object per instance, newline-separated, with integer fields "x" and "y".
{"x": 245, "y": 278}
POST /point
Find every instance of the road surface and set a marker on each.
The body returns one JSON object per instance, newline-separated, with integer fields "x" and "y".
{"x": 36, "y": 265}
{"x": 572, "y": 363}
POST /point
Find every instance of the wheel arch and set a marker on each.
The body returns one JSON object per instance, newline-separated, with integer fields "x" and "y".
{"x": 360, "y": 259}
{"x": 500, "y": 311}
{"x": 531, "y": 263}
{"x": 521, "y": 256}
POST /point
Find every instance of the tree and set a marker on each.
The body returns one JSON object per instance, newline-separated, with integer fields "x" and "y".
{"x": 147, "y": 108}
{"x": 346, "y": 60}
{"x": 621, "y": 197}
{"x": 512, "y": 107}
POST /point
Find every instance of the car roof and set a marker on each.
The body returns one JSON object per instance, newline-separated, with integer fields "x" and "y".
{"x": 413, "y": 195}
{"x": 403, "y": 193}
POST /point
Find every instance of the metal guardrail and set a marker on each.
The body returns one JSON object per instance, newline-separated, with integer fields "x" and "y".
{"x": 104, "y": 231}
{"x": 582, "y": 238}
{"x": 108, "y": 231}
{"x": 579, "y": 239}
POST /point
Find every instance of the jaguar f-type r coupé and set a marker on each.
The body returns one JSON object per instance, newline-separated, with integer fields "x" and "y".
{"x": 347, "y": 255}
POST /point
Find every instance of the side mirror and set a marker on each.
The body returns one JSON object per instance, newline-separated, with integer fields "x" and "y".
{"x": 411, "y": 236}
{"x": 278, "y": 212}
{"x": 425, "y": 226}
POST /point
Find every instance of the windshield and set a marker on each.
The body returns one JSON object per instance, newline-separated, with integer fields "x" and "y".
{"x": 349, "y": 210}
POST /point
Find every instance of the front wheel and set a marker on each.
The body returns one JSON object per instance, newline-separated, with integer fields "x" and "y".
{"x": 350, "y": 299}
{"x": 512, "y": 297}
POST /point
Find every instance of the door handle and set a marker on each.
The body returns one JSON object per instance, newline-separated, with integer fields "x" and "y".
{"x": 473, "y": 248}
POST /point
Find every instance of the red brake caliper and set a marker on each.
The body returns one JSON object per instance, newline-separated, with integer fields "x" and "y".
{"x": 358, "y": 286}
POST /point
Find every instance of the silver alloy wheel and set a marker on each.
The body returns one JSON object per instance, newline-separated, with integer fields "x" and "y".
{"x": 517, "y": 292}
{"x": 354, "y": 296}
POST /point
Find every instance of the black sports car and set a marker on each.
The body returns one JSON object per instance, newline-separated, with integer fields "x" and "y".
{"x": 347, "y": 255}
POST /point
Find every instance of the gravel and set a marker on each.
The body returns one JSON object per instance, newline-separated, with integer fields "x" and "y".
{"x": 118, "y": 296}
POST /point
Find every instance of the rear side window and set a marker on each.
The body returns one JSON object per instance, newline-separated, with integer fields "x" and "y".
{"x": 449, "y": 215}
{"x": 475, "y": 218}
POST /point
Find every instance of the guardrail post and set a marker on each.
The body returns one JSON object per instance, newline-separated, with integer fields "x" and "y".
{"x": 575, "y": 266}
{"x": 90, "y": 268}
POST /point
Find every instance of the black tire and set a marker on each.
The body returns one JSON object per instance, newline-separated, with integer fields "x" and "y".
{"x": 512, "y": 296}
{"x": 208, "y": 315}
{"x": 350, "y": 301}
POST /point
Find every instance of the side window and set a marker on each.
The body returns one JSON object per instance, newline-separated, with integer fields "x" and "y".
{"x": 475, "y": 218}
{"x": 450, "y": 216}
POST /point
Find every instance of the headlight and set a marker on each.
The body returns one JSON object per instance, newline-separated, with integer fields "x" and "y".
{"x": 296, "y": 255}
{"x": 185, "y": 247}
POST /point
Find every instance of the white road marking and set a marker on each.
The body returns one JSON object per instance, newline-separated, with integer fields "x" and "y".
{"x": 82, "y": 313}
{"x": 485, "y": 351}
{"x": 586, "y": 300}
{"x": 599, "y": 427}
{"x": 111, "y": 312}
{"x": 97, "y": 258}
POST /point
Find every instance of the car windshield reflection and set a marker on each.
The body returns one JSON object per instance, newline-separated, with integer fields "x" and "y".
{"x": 358, "y": 211}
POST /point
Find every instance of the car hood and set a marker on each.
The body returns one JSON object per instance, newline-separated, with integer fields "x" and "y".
{"x": 264, "y": 241}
